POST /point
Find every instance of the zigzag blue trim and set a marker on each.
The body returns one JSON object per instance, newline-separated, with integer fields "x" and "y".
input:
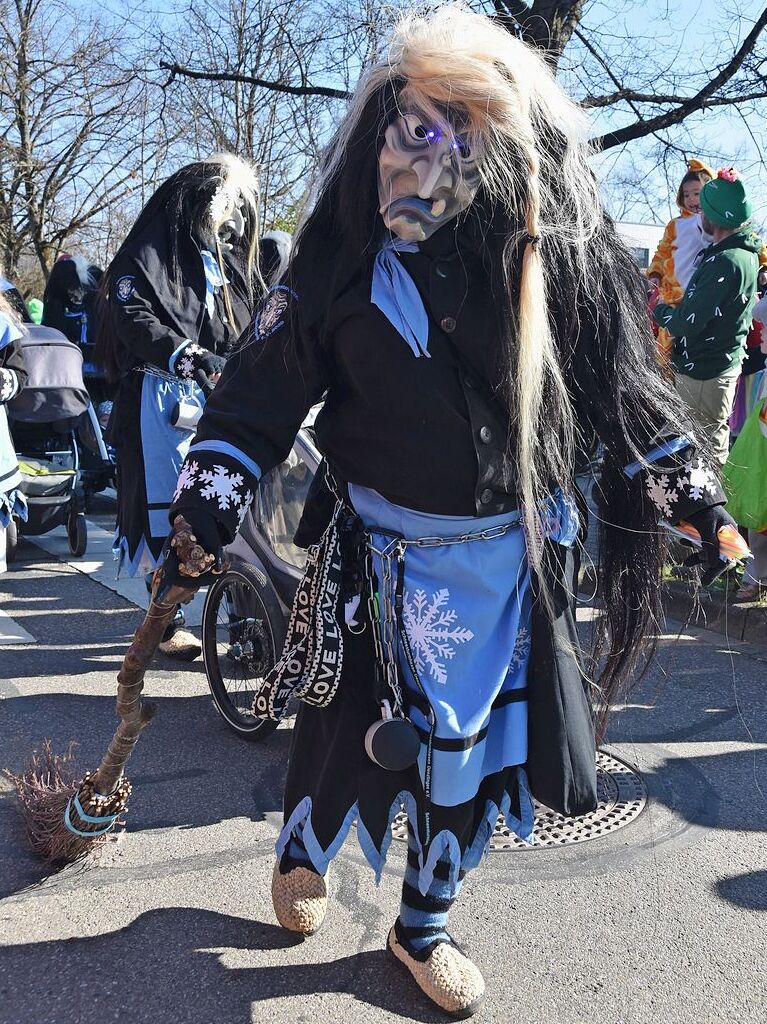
{"x": 121, "y": 553}
{"x": 444, "y": 844}
{"x": 12, "y": 503}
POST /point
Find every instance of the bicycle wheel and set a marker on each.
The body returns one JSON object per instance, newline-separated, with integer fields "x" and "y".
{"x": 242, "y": 635}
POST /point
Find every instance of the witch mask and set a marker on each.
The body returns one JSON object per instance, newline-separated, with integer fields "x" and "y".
{"x": 427, "y": 174}
{"x": 227, "y": 214}
{"x": 233, "y": 228}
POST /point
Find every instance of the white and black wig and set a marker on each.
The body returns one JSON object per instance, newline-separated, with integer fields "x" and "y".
{"x": 577, "y": 350}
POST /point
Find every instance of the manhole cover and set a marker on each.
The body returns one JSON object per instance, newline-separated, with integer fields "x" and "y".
{"x": 622, "y": 797}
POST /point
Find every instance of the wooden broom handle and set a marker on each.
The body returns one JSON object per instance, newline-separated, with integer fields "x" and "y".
{"x": 134, "y": 714}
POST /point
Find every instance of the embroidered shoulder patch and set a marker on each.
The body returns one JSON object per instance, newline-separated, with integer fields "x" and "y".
{"x": 270, "y": 316}
{"x": 124, "y": 287}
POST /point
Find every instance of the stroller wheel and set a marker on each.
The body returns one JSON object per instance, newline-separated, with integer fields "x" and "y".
{"x": 11, "y": 541}
{"x": 77, "y": 533}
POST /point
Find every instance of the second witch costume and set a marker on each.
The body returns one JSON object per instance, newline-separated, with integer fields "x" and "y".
{"x": 166, "y": 316}
{"x": 174, "y": 300}
{"x": 446, "y": 521}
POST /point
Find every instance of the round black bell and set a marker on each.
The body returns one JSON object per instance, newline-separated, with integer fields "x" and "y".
{"x": 393, "y": 744}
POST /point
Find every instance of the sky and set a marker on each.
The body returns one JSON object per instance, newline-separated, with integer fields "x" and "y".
{"x": 706, "y": 32}
{"x": 654, "y": 40}
{"x": 688, "y": 36}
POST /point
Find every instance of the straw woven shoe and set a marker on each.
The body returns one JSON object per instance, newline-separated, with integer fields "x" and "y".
{"x": 300, "y": 899}
{"x": 445, "y": 975}
{"x": 182, "y": 645}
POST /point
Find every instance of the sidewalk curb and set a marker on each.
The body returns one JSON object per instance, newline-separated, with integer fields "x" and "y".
{"x": 706, "y": 609}
{"x": 710, "y": 609}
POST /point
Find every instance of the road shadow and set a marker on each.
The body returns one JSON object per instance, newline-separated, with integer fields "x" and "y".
{"x": 701, "y": 698}
{"x": 717, "y": 791}
{"x": 748, "y": 890}
{"x": 171, "y": 965}
{"x": 59, "y": 606}
{"x": 105, "y": 654}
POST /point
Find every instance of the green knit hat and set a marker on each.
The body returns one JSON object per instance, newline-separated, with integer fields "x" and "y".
{"x": 35, "y": 308}
{"x": 724, "y": 200}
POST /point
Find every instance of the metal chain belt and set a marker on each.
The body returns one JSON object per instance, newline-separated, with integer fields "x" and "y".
{"x": 433, "y": 542}
{"x": 296, "y": 672}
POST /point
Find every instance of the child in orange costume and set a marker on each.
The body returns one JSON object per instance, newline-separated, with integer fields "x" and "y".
{"x": 674, "y": 260}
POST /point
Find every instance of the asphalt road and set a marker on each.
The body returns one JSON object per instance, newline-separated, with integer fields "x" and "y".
{"x": 664, "y": 920}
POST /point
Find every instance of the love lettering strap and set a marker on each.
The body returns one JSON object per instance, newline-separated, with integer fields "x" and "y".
{"x": 310, "y": 666}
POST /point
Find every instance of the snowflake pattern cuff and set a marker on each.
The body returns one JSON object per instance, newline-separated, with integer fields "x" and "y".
{"x": 183, "y": 362}
{"x": 9, "y": 385}
{"x": 679, "y": 492}
{"x": 176, "y": 353}
{"x": 217, "y": 484}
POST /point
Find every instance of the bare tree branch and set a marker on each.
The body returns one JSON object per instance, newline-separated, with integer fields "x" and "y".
{"x": 283, "y": 87}
{"x": 659, "y": 99}
{"x": 646, "y": 126}
{"x": 68, "y": 153}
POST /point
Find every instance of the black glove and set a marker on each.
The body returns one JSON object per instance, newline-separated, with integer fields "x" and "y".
{"x": 193, "y": 358}
{"x": 207, "y": 535}
{"x": 708, "y": 522}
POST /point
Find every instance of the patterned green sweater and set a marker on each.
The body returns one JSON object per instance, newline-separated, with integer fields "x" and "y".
{"x": 710, "y": 324}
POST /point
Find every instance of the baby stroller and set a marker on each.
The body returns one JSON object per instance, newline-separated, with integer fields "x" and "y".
{"x": 70, "y": 308}
{"x": 44, "y": 418}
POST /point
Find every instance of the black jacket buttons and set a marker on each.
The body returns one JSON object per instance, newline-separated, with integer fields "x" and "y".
{"x": 441, "y": 269}
{"x": 448, "y": 324}
{"x": 485, "y": 435}
{"x": 486, "y": 496}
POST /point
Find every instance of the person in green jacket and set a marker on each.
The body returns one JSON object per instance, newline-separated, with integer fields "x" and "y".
{"x": 710, "y": 324}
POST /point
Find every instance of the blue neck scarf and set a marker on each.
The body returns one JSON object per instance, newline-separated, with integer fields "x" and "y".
{"x": 394, "y": 292}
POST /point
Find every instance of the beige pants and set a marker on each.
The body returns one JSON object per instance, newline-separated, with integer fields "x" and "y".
{"x": 756, "y": 567}
{"x": 710, "y": 405}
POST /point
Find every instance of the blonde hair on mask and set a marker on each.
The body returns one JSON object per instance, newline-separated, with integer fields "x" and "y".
{"x": 530, "y": 137}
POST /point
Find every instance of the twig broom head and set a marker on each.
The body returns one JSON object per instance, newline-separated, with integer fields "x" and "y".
{"x": 49, "y": 797}
{"x": 65, "y": 819}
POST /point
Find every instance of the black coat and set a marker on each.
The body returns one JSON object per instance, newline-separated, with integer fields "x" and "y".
{"x": 426, "y": 433}
{"x": 146, "y": 317}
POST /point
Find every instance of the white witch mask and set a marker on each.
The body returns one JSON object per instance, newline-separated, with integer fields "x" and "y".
{"x": 228, "y": 216}
{"x": 426, "y": 176}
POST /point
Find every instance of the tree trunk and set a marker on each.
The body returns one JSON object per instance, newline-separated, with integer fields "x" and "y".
{"x": 547, "y": 24}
